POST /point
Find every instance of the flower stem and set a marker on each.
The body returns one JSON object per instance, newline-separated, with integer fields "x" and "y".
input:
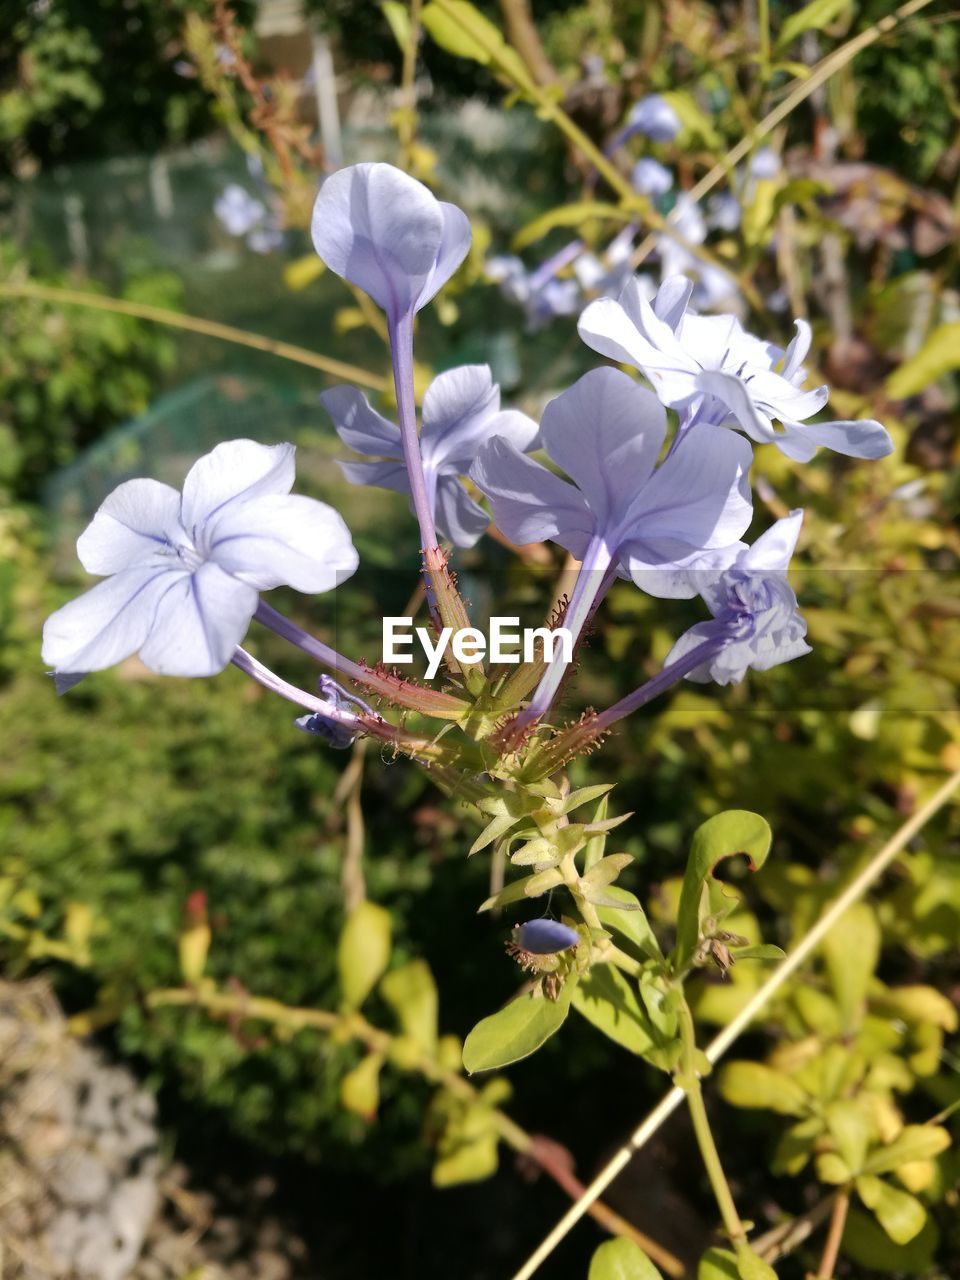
{"x": 831, "y": 1248}
{"x": 689, "y": 1081}
{"x": 429, "y": 702}
{"x": 659, "y": 683}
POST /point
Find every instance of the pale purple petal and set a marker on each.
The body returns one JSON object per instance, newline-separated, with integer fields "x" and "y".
{"x": 137, "y": 524}
{"x": 672, "y": 300}
{"x": 457, "y": 405}
{"x": 735, "y": 397}
{"x": 234, "y": 471}
{"x": 459, "y": 518}
{"x": 382, "y": 475}
{"x": 198, "y": 623}
{"x": 860, "y": 438}
{"x": 517, "y": 427}
{"x": 384, "y": 232}
{"x": 667, "y": 568}
{"x": 773, "y": 550}
{"x": 285, "y": 540}
{"x": 359, "y": 425}
{"x": 700, "y": 495}
{"x": 454, "y": 247}
{"x": 530, "y": 503}
{"x": 606, "y": 432}
{"x": 109, "y": 622}
{"x": 796, "y": 352}
{"x": 631, "y": 332}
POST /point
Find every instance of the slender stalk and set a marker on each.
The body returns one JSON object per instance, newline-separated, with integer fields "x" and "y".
{"x": 689, "y": 1081}
{"x": 407, "y": 124}
{"x": 239, "y": 1005}
{"x": 718, "y": 1046}
{"x": 429, "y": 702}
{"x": 831, "y": 1247}
{"x": 763, "y": 33}
{"x": 659, "y": 683}
{"x": 193, "y": 324}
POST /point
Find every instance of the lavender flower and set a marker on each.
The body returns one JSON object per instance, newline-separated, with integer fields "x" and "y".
{"x": 542, "y": 296}
{"x": 654, "y": 117}
{"x": 651, "y": 178}
{"x": 754, "y": 609}
{"x": 238, "y": 211}
{"x": 461, "y": 410}
{"x": 713, "y": 372}
{"x": 182, "y": 572}
{"x": 388, "y": 234}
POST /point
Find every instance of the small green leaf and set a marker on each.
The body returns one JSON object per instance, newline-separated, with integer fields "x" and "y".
{"x": 869, "y": 1246}
{"x": 605, "y": 998}
{"x": 737, "y": 831}
{"x": 621, "y": 1259}
{"x": 815, "y": 16}
{"x": 901, "y": 1215}
{"x": 752, "y": 1267}
{"x": 360, "y": 1088}
{"x": 630, "y": 921}
{"x": 851, "y": 950}
{"x": 363, "y": 952}
{"x": 398, "y": 18}
{"x": 494, "y": 830}
{"x": 852, "y": 1130}
{"x": 718, "y": 1264}
{"x": 604, "y": 872}
{"x": 597, "y": 843}
{"x": 568, "y": 215}
{"x": 833, "y": 1169}
{"x": 795, "y": 1146}
{"x": 463, "y": 31}
{"x": 915, "y": 1142}
{"x": 764, "y": 951}
{"x": 467, "y": 1150}
{"x": 753, "y": 1084}
{"x": 516, "y": 1030}
{"x": 939, "y": 355}
{"x": 412, "y": 994}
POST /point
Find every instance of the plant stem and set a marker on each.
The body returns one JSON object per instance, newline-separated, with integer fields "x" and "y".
{"x": 193, "y": 324}
{"x": 831, "y": 1248}
{"x": 763, "y": 30}
{"x": 689, "y": 1081}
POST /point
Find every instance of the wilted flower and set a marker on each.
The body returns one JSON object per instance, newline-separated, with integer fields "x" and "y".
{"x": 754, "y": 607}
{"x": 389, "y": 235}
{"x": 712, "y": 371}
{"x": 461, "y": 411}
{"x": 182, "y": 572}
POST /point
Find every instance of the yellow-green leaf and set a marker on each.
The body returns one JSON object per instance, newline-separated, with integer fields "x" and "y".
{"x": 621, "y": 1259}
{"x": 605, "y": 998}
{"x": 412, "y": 994}
{"x": 753, "y": 1084}
{"x": 568, "y": 215}
{"x": 915, "y": 1142}
{"x": 363, "y": 952}
{"x": 360, "y": 1088}
{"x": 516, "y": 1030}
{"x": 851, "y": 950}
{"x": 398, "y": 18}
{"x": 940, "y": 354}
{"x": 900, "y": 1214}
{"x": 814, "y": 16}
{"x": 869, "y": 1246}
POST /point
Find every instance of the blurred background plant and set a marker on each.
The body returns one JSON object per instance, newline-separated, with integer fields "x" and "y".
{"x": 158, "y": 835}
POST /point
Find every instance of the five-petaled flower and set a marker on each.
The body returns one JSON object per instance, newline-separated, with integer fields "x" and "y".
{"x": 755, "y": 617}
{"x": 183, "y": 572}
{"x": 713, "y": 372}
{"x": 461, "y": 411}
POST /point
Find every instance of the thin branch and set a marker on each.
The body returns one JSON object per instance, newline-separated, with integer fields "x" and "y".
{"x": 722, "y": 1042}
{"x": 831, "y": 1248}
{"x": 193, "y": 324}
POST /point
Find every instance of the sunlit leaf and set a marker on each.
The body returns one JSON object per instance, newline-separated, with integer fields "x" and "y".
{"x": 621, "y": 1259}
{"x": 363, "y": 952}
{"x": 753, "y": 1084}
{"x": 412, "y": 994}
{"x": 360, "y": 1088}
{"x": 607, "y": 1000}
{"x": 900, "y": 1214}
{"x": 916, "y": 1142}
{"x": 851, "y": 950}
{"x": 816, "y": 16}
{"x": 939, "y": 355}
{"x": 516, "y": 1030}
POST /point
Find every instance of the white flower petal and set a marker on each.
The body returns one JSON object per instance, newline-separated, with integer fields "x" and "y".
{"x": 359, "y": 425}
{"x": 198, "y": 623}
{"x": 670, "y": 571}
{"x": 773, "y": 549}
{"x": 109, "y": 622}
{"x": 860, "y": 438}
{"x": 236, "y": 470}
{"x": 735, "y": 397}
{"x": 796, "y": 352}
{"x": 456, "y": 406}
{"x": 135, "y": 525}
{"x": 284, "y": 540}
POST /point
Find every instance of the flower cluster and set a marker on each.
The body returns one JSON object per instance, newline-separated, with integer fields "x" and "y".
{"x": 665, "y": 508}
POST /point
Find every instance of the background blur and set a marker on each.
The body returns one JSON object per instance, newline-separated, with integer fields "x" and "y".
{"x": 136, "y": 807}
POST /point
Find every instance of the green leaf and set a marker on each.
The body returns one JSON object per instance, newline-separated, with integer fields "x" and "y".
{"x": 752, "y": 1267}
{"x": 398, "y": 17}
{"x": 868, "y": 1245}
{"x": 520, "y": 890}
{"x": 568, "y": 215}
{"x": 753, "y": 1084}
{"x": 722, "y": 836}
{"x": 814, "y": 16}
{"x": 597, "y": 843}
{"x": 764, "y": 951}
{"x": 940, "y": 354}
{"x": 516, "y": 1030}
{"x": 851, "y": 950}
{"x": 795, "y": 1146}
{"x": 604, "y": 872}
{"x": 630, "y": 922}
{"x": 605, "y": 998}
{"x": 915, "y": 1142}
{"x": 463, "y": 31}
{"x": 412, "y": 994}
{"x": 718, "y": 1264}
{"x": 363, "y": 952}
{"x": 467, "y": 1150}
{"x": 901, "y": 1215}
{"x": 360, "y": 1088}
{"x": 497, "y": 827}
{"x": 621, "y": 1259}
{"x": 852, "y": 1130}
